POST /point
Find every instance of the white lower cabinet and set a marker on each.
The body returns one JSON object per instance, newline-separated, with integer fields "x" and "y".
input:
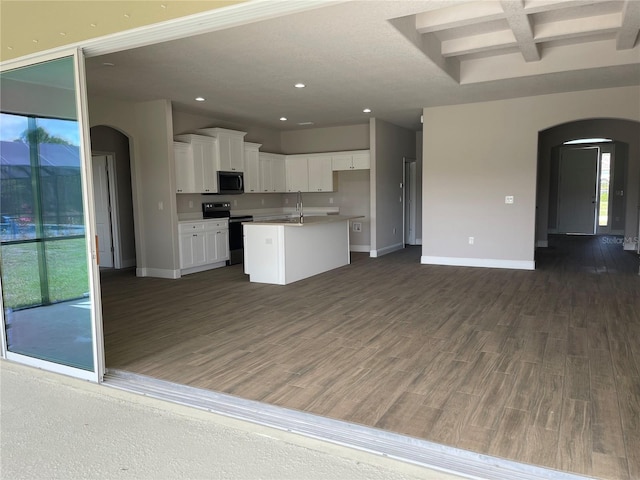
{"x": 203, "y": 245}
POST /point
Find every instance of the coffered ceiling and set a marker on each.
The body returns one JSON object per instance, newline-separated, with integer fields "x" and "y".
{"x": 393, "y": 57}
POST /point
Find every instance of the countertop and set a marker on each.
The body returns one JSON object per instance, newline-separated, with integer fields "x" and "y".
{"x": 316, "y": 220}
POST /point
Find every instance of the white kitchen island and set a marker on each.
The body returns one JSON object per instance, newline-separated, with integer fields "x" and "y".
{"x": 284, "y": 251}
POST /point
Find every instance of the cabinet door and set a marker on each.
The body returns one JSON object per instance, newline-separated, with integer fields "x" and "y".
{"x": 278, "y": 175}
{"x": 361, "y": 161}
{"x": 222, "y": 245}
{"x": 320, "y": 174}
{"x": 297, "y": 173}
{"x": 205, "y": 168}
{"x": 231, "y": 149}
{"x": 252, "y": 171}
{"x": 342, "y": 162}
{"x": 192, "y": 249}
{"x": 266, "y": 179}
{"x": 185, "y": 170}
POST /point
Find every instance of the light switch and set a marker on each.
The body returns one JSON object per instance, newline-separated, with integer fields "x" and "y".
{"x": 508, "y": 199}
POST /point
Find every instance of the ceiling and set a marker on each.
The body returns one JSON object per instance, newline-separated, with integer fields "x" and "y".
{"x": 393, "y": 57}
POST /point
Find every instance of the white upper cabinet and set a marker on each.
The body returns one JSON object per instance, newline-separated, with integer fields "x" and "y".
{"x": 252, "y": 167}
{"x": 196, "y": 166}
{"x": 185, "y": 170}
{"x": 297, "y": 173}
{"x": 320, "y": 173}
{"x": 230, "y": 148}
{"x": 356, "y": 160}
{"x": 272, "y": 172}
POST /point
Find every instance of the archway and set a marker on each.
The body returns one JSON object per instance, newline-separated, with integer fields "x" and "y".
{"x": 625, "y": 145}
{"x": 108, "y": 140}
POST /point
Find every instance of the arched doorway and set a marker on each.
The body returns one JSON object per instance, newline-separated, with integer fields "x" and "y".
{"x": 112, "y": 147}
{"x": 616, "y": 144}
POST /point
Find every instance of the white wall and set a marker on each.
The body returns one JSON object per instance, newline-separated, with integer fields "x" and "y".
{"x": 328, "y": 139}
{"x": 149, "y": 128}
{"x": 390, "y": 144}
{"x": 475, "y": 154}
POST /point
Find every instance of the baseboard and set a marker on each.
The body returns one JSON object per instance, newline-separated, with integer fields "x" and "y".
{"x": 385, "y": 250}
{"x": 360, "y": 248}
{"x": 203, "y": 268}
{"x": 479, "y": 262}
{"x": 157, "y": 273}
{"x": 542, "y": 243}
{"x": 631, "y": 246}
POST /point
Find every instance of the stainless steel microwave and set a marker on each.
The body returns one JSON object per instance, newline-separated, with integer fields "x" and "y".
{"x": 230, "y": 183}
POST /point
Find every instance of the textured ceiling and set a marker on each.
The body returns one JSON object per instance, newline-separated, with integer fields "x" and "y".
{"x": 394, "y": 57}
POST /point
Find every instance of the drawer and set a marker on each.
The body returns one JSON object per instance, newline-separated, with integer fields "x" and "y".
{"x": 191, "y": 227}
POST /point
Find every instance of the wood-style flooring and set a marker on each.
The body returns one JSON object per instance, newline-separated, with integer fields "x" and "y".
{"x": 541, "y": 367}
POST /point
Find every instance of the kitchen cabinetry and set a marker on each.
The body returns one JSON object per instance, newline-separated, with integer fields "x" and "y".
{"x": 297, "y": 173}
{"x": 203, "y": 245}
{"x": 356, "y": 160}
{"x": 230, "y": 148}
{"x": 272, "y": 172}
{"x": 195, "y": 164}
{"x": 252, "y": 167}
{"x": 320, "y": 173}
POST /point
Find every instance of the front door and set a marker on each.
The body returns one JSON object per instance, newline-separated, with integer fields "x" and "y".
{"x": 578, "y": 194}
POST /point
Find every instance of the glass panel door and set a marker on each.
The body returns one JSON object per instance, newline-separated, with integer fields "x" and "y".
{"x": 46, "y": 248}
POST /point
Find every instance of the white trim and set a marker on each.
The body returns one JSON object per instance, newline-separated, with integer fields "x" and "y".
{"x": 542, "y": 243}
{"x": 158, "y": 273}
{"x": 479, "y": 262}
{"x": 360, "y": 248}
{"x": 114, "y": 213}
{"x": 383, "y": 251}
{"x": 92, "y": 376}
{"x": 182, "y": 27}
{"x": 412, "y": 450}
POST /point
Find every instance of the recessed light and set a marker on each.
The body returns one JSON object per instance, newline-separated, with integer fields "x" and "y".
{"x": 366, "y": 110}
{"x": 126, "y": 15}
{"x": 94, "y": 25}
{"x": 305, "y": 123}
{"x": 163, "y": 6}
{"x": 283, "y": 119}
{"x": 34, "y": 40}
{"x": 199, "y": 99}
{"x": 63, "y": 34}
{"x": 108, "y": 64}
{"x": 299, "y": 85}
{"x": 9, "y": 47}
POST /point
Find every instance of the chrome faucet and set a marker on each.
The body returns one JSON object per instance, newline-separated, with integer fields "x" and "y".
{"x": 299, "y": 206}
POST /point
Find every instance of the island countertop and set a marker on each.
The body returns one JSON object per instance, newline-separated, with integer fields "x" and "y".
{"x": 311, "y": 220}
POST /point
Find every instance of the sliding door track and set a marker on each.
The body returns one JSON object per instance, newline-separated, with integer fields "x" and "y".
{"x": 380, "y": 442}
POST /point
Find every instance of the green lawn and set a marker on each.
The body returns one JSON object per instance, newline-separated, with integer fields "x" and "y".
{"x": 66, "y": 266}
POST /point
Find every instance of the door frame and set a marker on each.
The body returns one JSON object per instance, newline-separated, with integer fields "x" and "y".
{"x": 114, "y": 213}
{"x": 409, "y": 200}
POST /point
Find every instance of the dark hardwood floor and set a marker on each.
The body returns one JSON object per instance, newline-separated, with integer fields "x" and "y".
{"x": 541, "y": 367}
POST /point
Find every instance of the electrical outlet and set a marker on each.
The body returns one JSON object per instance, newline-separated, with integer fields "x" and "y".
{"x": 357, "y": 226}
{"x": 262, "y": 201}
{"x": 331, "y": 200}
{"x": 190, "y": 203}
{"x": 235, "y": 203}
{"x": 508, "y": 199}
{"x": 471, "y": 240}
{"x": 394, "y": 230}
{"x": 286, "y": 201}
{"x": 160, "y": 205}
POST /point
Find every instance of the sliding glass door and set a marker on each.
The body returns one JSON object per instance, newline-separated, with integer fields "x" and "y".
{"x": 47, "y": 260}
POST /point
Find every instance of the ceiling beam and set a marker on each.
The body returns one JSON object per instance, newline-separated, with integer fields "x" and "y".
{"x": 478, "y": 43}
{"x": 520, "y": 24}
{"x": 460, "y": 15}
{"x": 577, "y": 27}
{"x": 538, "y": 6}
{"x": 628, "y": 34}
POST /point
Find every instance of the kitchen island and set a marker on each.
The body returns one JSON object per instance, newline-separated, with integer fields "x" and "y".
{"x": 283, "y": 251}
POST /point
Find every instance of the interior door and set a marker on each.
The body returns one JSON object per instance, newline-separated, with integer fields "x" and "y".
{"x": 577, "y": 190}
{"x": 103, "y": 210}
